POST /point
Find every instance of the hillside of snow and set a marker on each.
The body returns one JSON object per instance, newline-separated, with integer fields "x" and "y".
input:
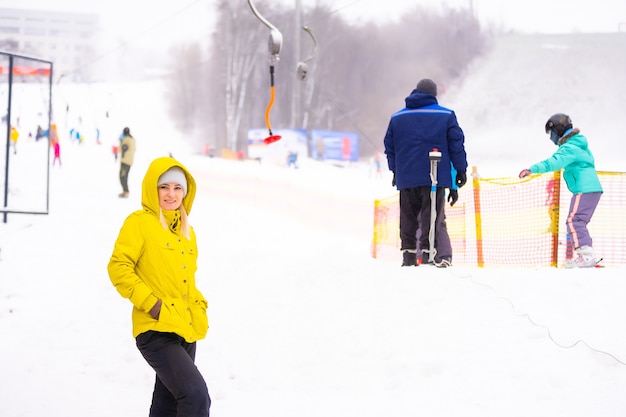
{"x": 303, "y": 322}
{"x": 507, "y": 96}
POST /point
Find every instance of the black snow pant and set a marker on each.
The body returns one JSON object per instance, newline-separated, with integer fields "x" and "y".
{"x": 179, "y": 389}
{"x": 124, "y": 170}
{"x": 415, "y": 215}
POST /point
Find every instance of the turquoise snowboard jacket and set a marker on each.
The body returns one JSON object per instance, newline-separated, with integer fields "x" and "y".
{"x": 577, "y": 162}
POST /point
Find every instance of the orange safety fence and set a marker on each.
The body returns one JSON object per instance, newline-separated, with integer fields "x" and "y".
{"x": 26, "y": 71}
{"x": 515, "y": 222}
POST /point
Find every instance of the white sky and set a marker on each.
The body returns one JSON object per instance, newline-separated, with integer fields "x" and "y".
{"x": 162, "y": 20}
{"x": 547, "y": 16}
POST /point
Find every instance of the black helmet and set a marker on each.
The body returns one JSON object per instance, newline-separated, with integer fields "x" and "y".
{"x": 126, "y": 131}
{"x": 558, "y": 123}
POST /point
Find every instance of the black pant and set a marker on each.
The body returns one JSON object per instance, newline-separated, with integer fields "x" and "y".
{"x": 415, "y": 215}
{"x": 179, "y": 389}
{"x": 124, "y": 170}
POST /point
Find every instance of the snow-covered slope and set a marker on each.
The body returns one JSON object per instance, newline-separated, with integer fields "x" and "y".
{"x": 508, "y": 95}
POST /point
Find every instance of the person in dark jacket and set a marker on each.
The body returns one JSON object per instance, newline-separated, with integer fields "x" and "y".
{"x": 413, "y": 132}
{"x": 579, "y": 172}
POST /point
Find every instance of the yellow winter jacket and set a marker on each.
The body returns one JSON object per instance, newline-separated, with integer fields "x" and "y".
{"x": 150, "y": 263}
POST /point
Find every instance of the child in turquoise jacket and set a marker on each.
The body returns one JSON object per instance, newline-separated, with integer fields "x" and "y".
{"x": 575, "y": 158}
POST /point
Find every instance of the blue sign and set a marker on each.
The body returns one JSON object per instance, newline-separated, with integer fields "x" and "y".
{"x": 333, "y": 145}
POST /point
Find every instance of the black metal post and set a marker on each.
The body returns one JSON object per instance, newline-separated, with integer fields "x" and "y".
{"x": 8, "y": 146}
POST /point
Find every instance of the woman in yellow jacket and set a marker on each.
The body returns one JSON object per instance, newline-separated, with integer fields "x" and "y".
{"x": 153, "y": 265}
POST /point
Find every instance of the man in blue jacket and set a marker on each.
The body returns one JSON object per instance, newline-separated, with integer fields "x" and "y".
{"x": 413, "y": 132}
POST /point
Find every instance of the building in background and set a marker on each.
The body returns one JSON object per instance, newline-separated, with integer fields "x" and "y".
{"x": 69, "y": 40}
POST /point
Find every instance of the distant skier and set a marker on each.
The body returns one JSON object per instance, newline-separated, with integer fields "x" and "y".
{"x": 378, "y": 158}
{"x": 57, "y": 153}
{"x": 54, "y": 140}
{"x": 127, "y": 144}
{"x": 292, "y": 159}
{"x": 575, "y": 158}
{"x": 15, "y": 135}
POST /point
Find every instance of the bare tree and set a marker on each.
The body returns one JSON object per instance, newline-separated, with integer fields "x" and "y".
{"x": 360, "y": 74}
{"x": 237, "y": 41}
{"x": 184, "y": 93}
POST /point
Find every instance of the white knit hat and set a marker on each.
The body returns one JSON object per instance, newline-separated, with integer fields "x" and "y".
{"x": 175, "y": 175}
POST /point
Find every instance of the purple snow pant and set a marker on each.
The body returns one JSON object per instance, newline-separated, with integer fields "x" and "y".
{"x": 415, "y": 215}
{"x": 581, "y": 209}
{"x": 179, "y": 389}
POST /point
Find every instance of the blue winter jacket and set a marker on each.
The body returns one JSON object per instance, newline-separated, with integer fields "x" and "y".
{"x": 577, "y": 162}
{"x": 416, "y": 130}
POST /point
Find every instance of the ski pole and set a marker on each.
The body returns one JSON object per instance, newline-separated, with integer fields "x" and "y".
{"x": 435, "y": 157}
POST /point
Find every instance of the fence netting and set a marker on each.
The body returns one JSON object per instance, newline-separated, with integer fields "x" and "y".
{"x": 515, "y": 222}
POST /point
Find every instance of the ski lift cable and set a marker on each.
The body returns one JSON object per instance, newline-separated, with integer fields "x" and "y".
{"x": 345, "y": 7}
